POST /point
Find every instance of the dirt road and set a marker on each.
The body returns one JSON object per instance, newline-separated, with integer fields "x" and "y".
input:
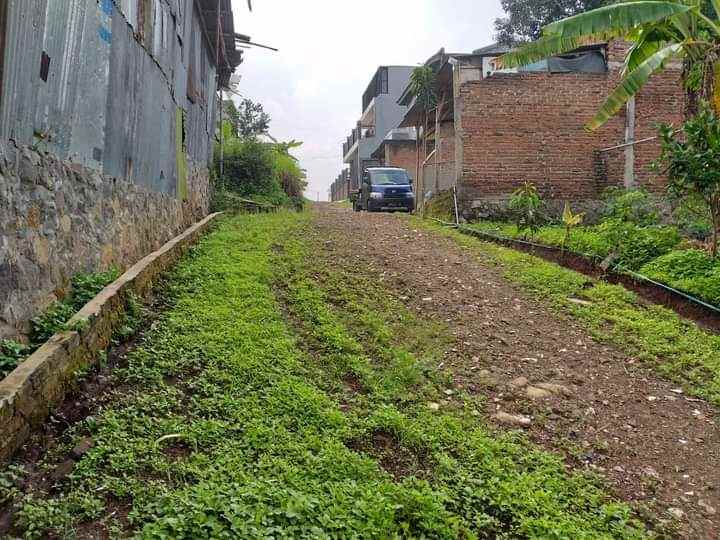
{"x": 600, "y": 407}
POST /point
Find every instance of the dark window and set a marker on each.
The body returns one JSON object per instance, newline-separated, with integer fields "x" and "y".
{"x": 383, "y": 81}
{"x": 44, "y": 66}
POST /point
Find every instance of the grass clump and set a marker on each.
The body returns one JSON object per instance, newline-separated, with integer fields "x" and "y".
{"x": 676, "y": 347}
{"x": 85, "y": 286}
{"x": 690, "y": 270}
{"x": 236, "y": 419}
{"x": 11, "y": 354}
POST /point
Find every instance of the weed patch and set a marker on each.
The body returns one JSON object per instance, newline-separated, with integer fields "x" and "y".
{"x": 227, "y": 422}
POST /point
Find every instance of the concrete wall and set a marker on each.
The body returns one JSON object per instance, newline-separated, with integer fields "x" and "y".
{"x": 512, "y": 128}
{"x": 58, "y": 218}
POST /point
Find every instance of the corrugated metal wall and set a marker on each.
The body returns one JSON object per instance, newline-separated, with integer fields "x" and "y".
{"x": 80, "y": 84}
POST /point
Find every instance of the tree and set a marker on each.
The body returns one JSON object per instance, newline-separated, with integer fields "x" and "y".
{"x": 658, "y": 30}
{"x": 422, "y": 86}
{"x": 247, "y": 121}
{"x": 691, "y": 161}
{"x": 232, "y": 117}
{"x": 525, "y": 19}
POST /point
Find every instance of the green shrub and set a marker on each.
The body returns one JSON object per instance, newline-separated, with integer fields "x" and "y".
{"x": 11, "y": 354}
{"x": 691, "y": 270}
{"x": 692, "y": 217}
{"x": 631, "y": 206}
{"x": 527, "y": 208}
{"x": 85, "y": 286}
{"x": 249, "y": 171}
{"x": 636, "y": 245}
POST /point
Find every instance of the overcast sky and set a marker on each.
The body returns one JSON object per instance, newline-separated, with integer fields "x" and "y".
{"x": 329, "y": 50}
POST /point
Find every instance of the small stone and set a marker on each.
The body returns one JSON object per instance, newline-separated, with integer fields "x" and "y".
{"x": 678, "y": 391}
{"x": 652, "y": 398}
{"x": 520, "y": 382}
{"x": 82, "y": 447}
{"x": 449, "y": 392}
{"x": 433, "y": 406}
{"x": 707, "y": 509}
{"x": 555, "y": 388}
{"x": 579, "y": 302}
{"x": 427, "y": 299}
{"x": 651, "y": 472}
{"x": 512, "y": 419}
{"x": 537, "y": 393}
{"x": 676, "y": 513}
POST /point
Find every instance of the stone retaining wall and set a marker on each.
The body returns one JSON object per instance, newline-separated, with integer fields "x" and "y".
{"x": 33, "y": 389}
{"x": 58, "y": 219}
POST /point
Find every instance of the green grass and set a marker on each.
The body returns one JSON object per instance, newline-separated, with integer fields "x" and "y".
{"x": 676, "y": 347}
{"x": 235, "y": 419}
{"x": 85, "y": 286}
{"x": 633, "y": 245}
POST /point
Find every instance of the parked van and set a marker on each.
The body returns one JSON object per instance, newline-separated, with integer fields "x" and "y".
{"x": 385, "y": 188}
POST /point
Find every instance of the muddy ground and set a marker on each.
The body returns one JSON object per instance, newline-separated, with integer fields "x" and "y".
{"x": 595, "y": 404}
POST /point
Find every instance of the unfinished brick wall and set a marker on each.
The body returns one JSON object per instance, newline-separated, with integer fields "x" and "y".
{"x": 530, "y": 127}
{"x": 401, "y": 154}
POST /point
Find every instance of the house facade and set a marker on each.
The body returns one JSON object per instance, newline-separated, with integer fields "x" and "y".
{"x": 492, "y": 130}
{"x": 381, "y": 113}
{"x": 107, "y": 120}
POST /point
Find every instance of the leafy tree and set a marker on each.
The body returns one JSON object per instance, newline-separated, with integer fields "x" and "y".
{"x": 691, "y": 160}
{"x": 249, "y": 120}
{"x": 232, "y": 115}
{"x": 525, "y": 19}
{"x": 688, "y": 30}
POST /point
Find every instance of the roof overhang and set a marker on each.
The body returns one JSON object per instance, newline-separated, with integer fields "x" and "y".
{"x": 219, "y": 27}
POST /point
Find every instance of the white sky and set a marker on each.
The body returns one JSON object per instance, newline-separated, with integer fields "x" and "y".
{"x": 329, "y": 50}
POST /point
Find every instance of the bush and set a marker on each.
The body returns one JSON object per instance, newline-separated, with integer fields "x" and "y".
{"x": 527, "y": 208}
{"x": 691, "y": 270}
{"x": 631, "y": 206}
{"x": 249, "y": 171}
{"x": 635, "y": 245}
{"x": 85, "y": 287}
{"x": 11, "y": 354}
{"x": 691, "y": 216}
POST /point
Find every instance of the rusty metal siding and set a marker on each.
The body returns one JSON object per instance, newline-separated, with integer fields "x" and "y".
{"x": 110, "y": 102}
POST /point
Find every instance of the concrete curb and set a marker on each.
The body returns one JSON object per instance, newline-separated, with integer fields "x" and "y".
{"x": 29, "y": 394}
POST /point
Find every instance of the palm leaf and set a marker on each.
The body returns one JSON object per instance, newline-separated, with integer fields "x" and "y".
{"x": 647, "y": 43}
{"x": 618, "y": 19}
{"x": 632, "y": 83}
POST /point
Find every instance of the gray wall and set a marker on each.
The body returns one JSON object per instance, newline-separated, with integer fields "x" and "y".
{"x": 388, "y": 114}
{"x": 110, "y": 103}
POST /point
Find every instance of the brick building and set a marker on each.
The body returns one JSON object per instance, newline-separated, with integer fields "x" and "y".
{"x": 399, "y": 149}
{"x": 497, "y": 129}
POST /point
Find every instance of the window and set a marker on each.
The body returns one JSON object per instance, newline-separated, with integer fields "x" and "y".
{"x": 382, "y": 81}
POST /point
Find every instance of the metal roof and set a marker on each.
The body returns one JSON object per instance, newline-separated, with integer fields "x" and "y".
{"x": 217, "y": 17}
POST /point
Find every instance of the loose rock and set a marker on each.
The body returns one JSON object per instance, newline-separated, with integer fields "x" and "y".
{"x": 512, "y": 419}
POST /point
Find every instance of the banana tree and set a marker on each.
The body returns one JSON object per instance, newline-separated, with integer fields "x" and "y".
{"x": 659, "y": 31}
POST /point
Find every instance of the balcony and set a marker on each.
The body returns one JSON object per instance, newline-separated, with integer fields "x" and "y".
{"x": 350, "y": 142}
